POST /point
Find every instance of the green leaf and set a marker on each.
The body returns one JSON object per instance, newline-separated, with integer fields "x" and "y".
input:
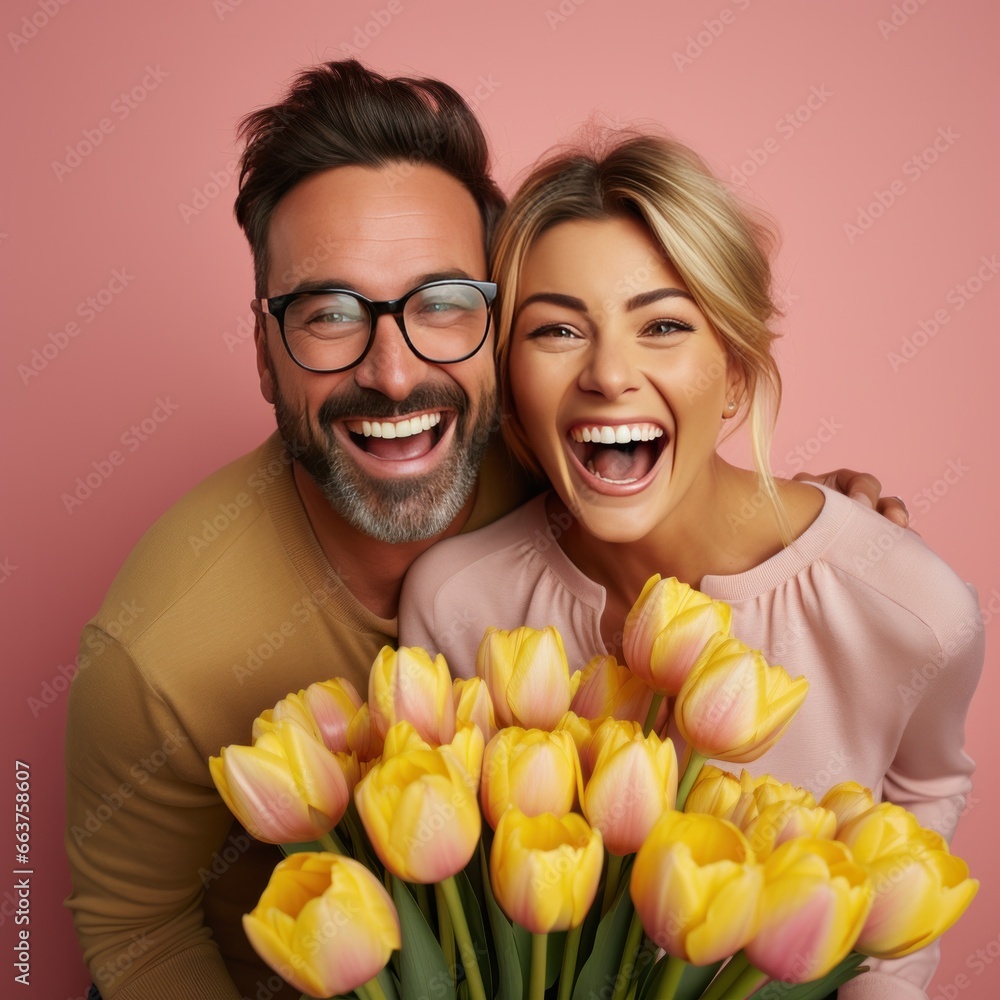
{"x": 474, "y": 916}
{"x": 600, "y": 971}
{"x": 309, "y": 845}
{"x": 422, "y": 968}
{"x": 510, "y": 982}
{"x": 818, "y": 989}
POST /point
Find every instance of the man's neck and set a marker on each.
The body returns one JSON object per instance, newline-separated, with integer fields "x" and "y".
{"x": 371, "y": 570}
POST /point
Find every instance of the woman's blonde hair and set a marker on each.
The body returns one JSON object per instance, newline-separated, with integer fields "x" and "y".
{"x": 717, "y": 244}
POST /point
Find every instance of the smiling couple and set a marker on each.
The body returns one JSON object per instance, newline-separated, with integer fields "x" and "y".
{"x": 631, "y": 323}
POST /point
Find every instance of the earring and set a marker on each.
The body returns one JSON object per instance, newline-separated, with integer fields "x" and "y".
{"x": 732, "y": 406}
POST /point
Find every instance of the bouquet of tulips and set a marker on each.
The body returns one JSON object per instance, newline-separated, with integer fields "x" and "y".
{"x": 600, "y": 870}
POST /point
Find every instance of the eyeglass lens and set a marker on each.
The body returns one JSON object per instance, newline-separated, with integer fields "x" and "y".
{"x": 331, "y": 329}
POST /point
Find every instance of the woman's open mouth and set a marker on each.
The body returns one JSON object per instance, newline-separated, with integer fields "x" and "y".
{"x": 618, "y": 455}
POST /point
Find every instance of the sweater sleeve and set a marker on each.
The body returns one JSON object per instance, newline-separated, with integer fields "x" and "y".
{"x": 139, "y": 831}
{"x": 931, "y": 775}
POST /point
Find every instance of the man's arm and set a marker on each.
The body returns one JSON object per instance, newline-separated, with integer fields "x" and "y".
{"x": 139, "y": 830}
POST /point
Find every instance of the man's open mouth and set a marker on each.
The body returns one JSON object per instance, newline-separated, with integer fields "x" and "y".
{"x": 399, "y": 439}
{"x": 618, "y": 454}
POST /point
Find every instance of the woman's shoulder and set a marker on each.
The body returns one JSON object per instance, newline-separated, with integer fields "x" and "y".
{"x": 879, "y": 558}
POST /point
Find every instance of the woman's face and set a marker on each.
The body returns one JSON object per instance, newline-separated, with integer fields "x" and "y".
{"x": 617, "y": 377}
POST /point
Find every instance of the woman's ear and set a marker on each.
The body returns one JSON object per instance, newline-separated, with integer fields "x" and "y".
{"x": 736, "y": 384}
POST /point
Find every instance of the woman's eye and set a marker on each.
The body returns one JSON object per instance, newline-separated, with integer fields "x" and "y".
{"x": 555, "y": 332}
{"x": 665, "y": 327}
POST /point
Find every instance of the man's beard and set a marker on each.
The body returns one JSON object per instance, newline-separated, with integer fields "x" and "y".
{"x": 407, "y": 509}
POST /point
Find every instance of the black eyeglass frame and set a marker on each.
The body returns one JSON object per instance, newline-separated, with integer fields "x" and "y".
{"x": 277, "y": 305}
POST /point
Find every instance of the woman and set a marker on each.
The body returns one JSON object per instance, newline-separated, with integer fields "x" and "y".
{"x": 632, "y": 328}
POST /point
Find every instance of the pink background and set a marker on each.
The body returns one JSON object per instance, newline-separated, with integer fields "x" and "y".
{"x": 153, "y": 202}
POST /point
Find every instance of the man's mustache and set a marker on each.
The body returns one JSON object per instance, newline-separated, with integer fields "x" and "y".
{"x": 358, "y": 402}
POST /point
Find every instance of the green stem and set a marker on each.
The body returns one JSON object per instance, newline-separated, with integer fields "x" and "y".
{"x": 751, "y": 980}
{"x": 671, "y": 979}
{"x": 613, "y": 881}
{"x": 539, "y": 956}
{"x": 446, "y": 932}
{"x": 654, "y": 710}
{"x": 334, "y": 844}
{"x": 626, "y": 970}
{"x": 568, "y": 971}
{"x": 728, "y": 975}
{"x": 691, "y": 772}
{"x": 464, "y": 938}
{"x": 370, "y": 990}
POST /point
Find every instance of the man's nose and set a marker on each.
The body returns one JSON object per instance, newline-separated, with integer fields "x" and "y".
{"x": 390, "y": 367}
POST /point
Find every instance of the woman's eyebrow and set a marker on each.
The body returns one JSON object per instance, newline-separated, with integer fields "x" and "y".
{"x": 555, "y": 299}
{"x": 647, "y": 298}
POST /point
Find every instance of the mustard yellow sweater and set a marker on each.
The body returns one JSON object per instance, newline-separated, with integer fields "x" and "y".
{"x": 224, "y": 606}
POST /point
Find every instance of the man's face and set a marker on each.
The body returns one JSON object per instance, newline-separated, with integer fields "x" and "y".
{"x": 381, "y": 232}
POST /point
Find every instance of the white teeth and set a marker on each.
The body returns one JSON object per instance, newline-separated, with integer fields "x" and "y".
{"x": 395, "y": 429}
{"x": 617, "y": 434}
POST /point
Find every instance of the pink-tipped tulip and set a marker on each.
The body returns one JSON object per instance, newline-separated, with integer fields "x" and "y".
{"x": 527, "y": 676}
{"x": 782, "y": 821}
{"x": 325, "y": 709}
{"x": 285, "y": 789}
{"x": 608, "y": 689}
{"x": 815, "y": 902}
{"x": 545, "y": 870}
{"x": 667, "y": 629}
{"x": 632, "y": 785}
{"x": 406, "y": 683}
{"x": 582, "y": 731}
{"x": 733, "y": 706}
{"x": 420, "y": 812}
{"x": 324, "y": 923}
{"x": 537, "y": 771}
{"x": 696, "y": 887}
{"x": 467, "y": 747}
{"x": 362, "y": 736}
{"x": 921, "y": 889}
{"x": 474, "y": 704}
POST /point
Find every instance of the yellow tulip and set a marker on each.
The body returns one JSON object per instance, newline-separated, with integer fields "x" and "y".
{"x": 474, "y": 704}
{"x": 467, "y": 747}
{"x": 848, "y": 800}
{"x": 920, "y": 888}
{"x": 406, "y": 683}
{"x": 287, "y": 788}
{"x": 733, "y": 706}
{"x": 815, "y": 901}
{"x": 608, "y": 689}
{"x": 697, "y": 887}
{"x": 362, "y": 736}
{"x": 582, "y": 731}
{"x": 420, "y": 812}
{"x": 545, "y": 870}
{"x": 610, "y": 733}
{"x": 324, "y": 923}
{"x": 527, "y": 676}
{"x": 715, "y": 792}
{"x": 631, "y": 787}
{"x": 779, "y": 822}
{"x": 325, "y": 709}
{"x": 535, "y": 770}
{"x": 667, "y": 629}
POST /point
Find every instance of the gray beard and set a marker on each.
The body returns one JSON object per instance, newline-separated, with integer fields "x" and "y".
{"x": 409, "y": 509}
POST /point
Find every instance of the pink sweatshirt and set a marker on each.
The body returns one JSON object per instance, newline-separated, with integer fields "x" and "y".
{"x": 890, "y": 639}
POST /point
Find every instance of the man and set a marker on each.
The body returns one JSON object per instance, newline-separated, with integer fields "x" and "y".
{"x": 284, "y": 567}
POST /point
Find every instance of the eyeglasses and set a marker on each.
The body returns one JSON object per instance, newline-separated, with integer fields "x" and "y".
{"x": 332, "y": 329}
